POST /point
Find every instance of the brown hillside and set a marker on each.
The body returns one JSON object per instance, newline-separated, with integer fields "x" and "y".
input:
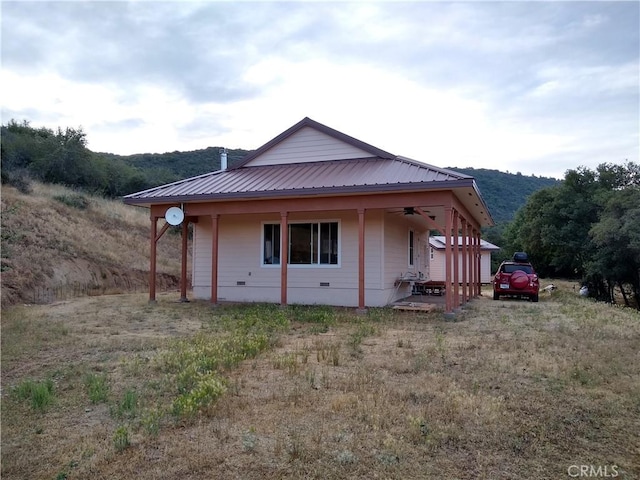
{"x": 58, "y": 243}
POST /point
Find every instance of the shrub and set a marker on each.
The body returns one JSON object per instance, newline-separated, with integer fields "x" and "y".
{"x": 74, "y": 200}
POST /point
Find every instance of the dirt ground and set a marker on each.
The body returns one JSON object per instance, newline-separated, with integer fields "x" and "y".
{"x": 506, "y": 389}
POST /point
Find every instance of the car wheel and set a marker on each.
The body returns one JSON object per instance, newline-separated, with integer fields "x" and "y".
{"x": 534, "y": 298}
{"x": 496, "y": 296}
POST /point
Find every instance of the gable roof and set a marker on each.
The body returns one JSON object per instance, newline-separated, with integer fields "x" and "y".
{"x": 307, "y": 122}
{"x": 377, "y": 171}
{"x": 438, "y": 242}
{"x": 327, "y": 177}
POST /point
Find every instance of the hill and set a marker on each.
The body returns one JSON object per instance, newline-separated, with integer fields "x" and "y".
{"x": 505, "y": 193}
{"x": 58, "y": 243}
{"x": 178, "y": 165}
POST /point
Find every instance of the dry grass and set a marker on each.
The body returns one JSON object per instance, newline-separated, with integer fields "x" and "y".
{"x": 57, "y": 242}
{"x": 509, "y": 389}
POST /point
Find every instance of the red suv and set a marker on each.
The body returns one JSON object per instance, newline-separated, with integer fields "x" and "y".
{"x": 516, "y": 278}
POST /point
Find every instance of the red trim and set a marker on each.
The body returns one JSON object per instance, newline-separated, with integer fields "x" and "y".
{"x": 361, "y": 257}
{"x": 152, "y": 260}
{"x": 284, "y": 256}
{"x": 214, "y": 258}
{"x": 183, "y": 269}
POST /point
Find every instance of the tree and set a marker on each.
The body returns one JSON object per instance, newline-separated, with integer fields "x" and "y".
{"x": 617, "y": 238}
{"x": 587, "y": 228}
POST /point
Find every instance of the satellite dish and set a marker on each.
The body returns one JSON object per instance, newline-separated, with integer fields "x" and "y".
{"x": 174, "y": 216}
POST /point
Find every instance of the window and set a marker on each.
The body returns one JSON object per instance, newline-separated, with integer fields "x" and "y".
{"x": 309, "y": 243}
{"x": 271, "y": 244}
{"x": 411, "y": 248}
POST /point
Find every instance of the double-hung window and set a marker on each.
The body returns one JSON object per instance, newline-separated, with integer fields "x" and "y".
{"x": 313, "y": 243}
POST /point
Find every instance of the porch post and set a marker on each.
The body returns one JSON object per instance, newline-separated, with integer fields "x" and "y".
{"x": 183, "y": 270}
{"x": 447, "y": 261}
{"x": 479, "y": 265}
{"x": 463, "y": 229}
{"x": 361, "y": 238}
{"x": 475, "y": 263}
{"x": 456, "y": 262}
{"x": 152, "y": 260}
{"x": 284, "y": 256}
{"x": 214, "y": 259}
{"x": 470, "y": 290}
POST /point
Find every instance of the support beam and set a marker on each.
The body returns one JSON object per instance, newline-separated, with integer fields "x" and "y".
{"x": 456, "y": 261}
{"x": 479, "y": 265}
{"x": 153, "y": 259}
{"x": 465, "y": 241}
{"x": 361, "y": 258}
{"x": 432, "y": 223}
{"x": 447, "y": 261}
{"x": 284, "y": 256}
{"x": 214, "y": 258}
{"x": 470, "y": 260}
{"x": 183, "y": 269}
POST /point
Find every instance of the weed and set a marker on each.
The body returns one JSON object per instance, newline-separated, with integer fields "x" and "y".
{"x": 97, "y": 387}
{"x": 295, "y": 445}
{"x": 40, "y": 394}
{"x": 327, "y": 353}
{"x": 388, "y": 459}
{"x": 151, "y": 422}
{"x": 345, "y": 457}
{"x": 249, "y": 440}
{"x": 127, "y": 406}
{"x": 121, "y": 439}
{"x": 363, "y": 330}
{"x": 584, "y": 375}
{"x": 286, "y": 361}
{"x": 317, "y": 314}
{"x": 207, "y": 390}
{"x": 440, "y": 345}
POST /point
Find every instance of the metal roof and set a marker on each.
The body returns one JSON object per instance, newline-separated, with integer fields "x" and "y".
{"x": 373, "y": 174}
{"x": 438, "y": 242}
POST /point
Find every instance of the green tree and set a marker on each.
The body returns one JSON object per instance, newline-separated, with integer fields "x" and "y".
{"x": 587, "y": 228}
{"x": 616, "y": 236}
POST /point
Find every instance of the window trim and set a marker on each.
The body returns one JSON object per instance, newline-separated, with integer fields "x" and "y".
{"x": 301, "y": 265}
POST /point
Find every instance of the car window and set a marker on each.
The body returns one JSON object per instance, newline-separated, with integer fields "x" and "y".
{"x": 512, "y": 268}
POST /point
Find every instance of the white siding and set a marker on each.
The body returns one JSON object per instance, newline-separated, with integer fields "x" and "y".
{"x": 396, "y": 255}
{"x": 308, "y": 145}
{"x": 240, "y": 247}
{"x": 437, "y": 268}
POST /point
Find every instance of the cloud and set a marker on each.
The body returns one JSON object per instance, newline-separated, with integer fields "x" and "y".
{"x": 508, "y": 85}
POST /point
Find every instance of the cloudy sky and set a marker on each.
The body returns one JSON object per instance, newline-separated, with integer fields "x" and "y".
{"x": 531, "y": 87}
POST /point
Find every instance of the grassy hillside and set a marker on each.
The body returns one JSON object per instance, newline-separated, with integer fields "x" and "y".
{"x": 58, "y": 243}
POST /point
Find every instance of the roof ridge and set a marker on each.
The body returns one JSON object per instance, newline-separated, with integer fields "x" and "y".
{"x": 308, "y": 122}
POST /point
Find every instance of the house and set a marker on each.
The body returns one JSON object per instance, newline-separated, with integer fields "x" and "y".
{"x": 315, "y": 216}
{"x": 437, "y": 259}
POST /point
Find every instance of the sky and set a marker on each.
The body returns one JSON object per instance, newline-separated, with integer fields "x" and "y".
{"x": 528, "y": 86}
